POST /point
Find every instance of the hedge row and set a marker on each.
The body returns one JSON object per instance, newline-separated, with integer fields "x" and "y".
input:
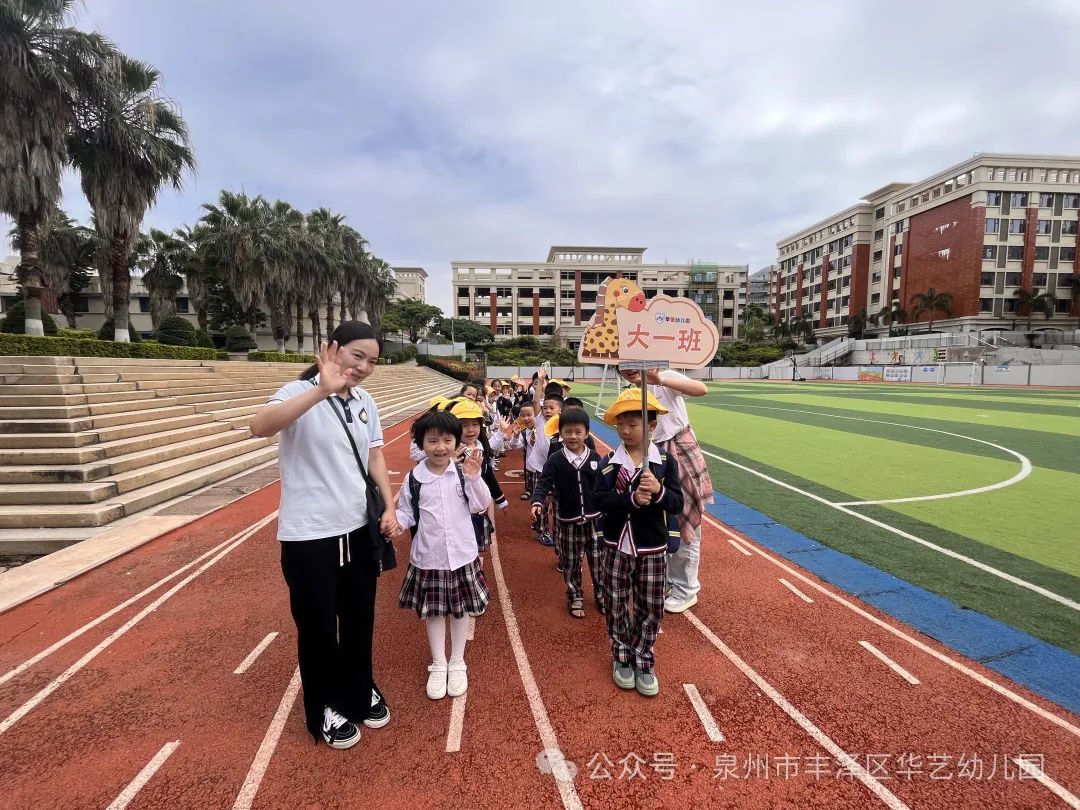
{"x": 453, "y": 368}
{"x": 278, "y": 357}
{"x": 25, "y": 346}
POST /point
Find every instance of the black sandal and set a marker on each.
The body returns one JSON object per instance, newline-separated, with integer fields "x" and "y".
{"x": 577, "y": 608}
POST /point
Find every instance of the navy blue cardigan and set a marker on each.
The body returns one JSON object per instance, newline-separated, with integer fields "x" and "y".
{"x": 654, "y": 528}
{"x": 573, "y": 487}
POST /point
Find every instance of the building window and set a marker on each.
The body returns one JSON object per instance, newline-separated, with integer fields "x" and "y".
{"x": 1042, "y": 226}
{"x": 547, "y": 292}
{"x": 504, "y": 329}
{"x": 1063, "y": 305}
{"x": 525, "y": 312}
{"x": 1017, "y": 226}
{"x": 567, "y": 294}
{"x": 1046, "y": 200}
{"x": 463, "y": 311}
{"x": 566, "y": 312}
{"x": 482, "y": 292}
{"x": 1068, "y": 254}
{"x": 879, "y": 213}
{"x": 567, "y": 275}
{"x": 986, "y": 279}
{"x": 1038, "y": 279}
{"x": 1071, "y": 200}
{"x": 879, "y": 234}
{"x": 183, "y": 305}
{"x": 875, "y": 298}
{"x": 898, "y": 249}
{"x": 1068, "y": 226}
{"x": 144, "y": 304}
{"x": 81, "y": 304}
{"x": 992, "y": 225}
{"x": 1019, "y": 199}
{"x": 1042, "y": 253}
{"x": 877, "y": 255}
{"x": 1014, "y": 279}
{"x": 898, "y": 227}
{"x": 463, "y": 292}
{"x": 990, "y": 252}
{"x": 876, "y": 277}
{"x": 504, "y": 292}
{"x": 1016, "y": 253}
{"x": 524, "y": 292}
{"x": 993, "y": 199}
{"x": 547, "y": 312}
{"x": 986, "y": 304}
{"x": 896, "y": 272}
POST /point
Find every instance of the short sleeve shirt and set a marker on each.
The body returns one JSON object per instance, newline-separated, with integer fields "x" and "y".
{"x": 673, "y": 422}
{"x": 322, "y": 491}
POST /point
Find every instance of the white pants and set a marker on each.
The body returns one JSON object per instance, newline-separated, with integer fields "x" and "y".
{"x": 682, "y": 569}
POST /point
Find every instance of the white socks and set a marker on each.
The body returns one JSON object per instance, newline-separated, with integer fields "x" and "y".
{"x": 459, "y": 635}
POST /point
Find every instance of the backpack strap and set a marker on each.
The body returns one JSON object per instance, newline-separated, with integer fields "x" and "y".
{"x": 414, "y": 493}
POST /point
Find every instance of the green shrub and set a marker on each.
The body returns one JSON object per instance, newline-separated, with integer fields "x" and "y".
{"x": 15, "y": 322}
{"x": 108, "y": 332}
{"x": 203, "y": 339}
{"x": 77, "y": 334}
{"x": 239, "y": 339}
{"x": 740, "y": 353}
{"x": 177, "y": 331}
{"x": 500, "y": 356}
{"x": 453, "y": 368}
{"x": 24, "y": 345}
{"x": 278, "y": 357}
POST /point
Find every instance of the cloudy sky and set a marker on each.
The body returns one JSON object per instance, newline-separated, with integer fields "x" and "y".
{"x": 489, "y": 131}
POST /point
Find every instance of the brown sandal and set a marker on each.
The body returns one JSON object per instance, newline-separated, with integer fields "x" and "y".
{"x": 577, "y": 608}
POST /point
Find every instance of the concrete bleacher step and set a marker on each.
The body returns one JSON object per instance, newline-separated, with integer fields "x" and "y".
{"x": 72, "y": 399}
{"x": 101, "y": 513}
{"x": 119, "y": 446}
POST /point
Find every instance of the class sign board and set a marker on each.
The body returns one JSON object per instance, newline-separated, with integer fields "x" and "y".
{"x": 628, "y": 327}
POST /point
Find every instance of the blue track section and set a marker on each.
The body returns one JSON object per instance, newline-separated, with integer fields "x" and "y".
{"x": 1043, "y": 668}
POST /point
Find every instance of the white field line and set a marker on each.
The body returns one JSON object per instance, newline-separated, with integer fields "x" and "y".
{"x": 68, "y": 673}
{"x": 895, "y": 667}
{"x": 951, "y": 662}
{"x": 266, "y": 748}
{"x": 707, "y": 720}
{"x": 1037, "y": 773}
{"x": 822, "y": 739}
{"x": 739, "y": 546}
{"x": 144, "y": 776}
{"x": 796, "y": 591}
{"x": 554, "y": 757}
{"x": 247, "y": 662}
{"x": 7, "y": 676}
{"x": 457, "y": 724}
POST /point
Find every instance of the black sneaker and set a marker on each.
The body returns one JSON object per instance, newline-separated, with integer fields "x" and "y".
{"x": 338, "y": 731}
{"x": 380, "y": 712}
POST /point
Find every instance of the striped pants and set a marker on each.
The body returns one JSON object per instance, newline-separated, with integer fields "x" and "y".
{"x": 635, "y": 604}
{"x": 572, "y": 542}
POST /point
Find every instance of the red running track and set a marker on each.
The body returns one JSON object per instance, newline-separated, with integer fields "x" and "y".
{"x": 767, "y": 699}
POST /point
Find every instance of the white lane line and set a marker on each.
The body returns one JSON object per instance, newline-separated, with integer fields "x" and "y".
{"x": 703, "y": 713}
{"x": 739, "y": 546}
{"x": 457, "y": 723}
{"x": 7, "y": 676}
{"x": 895, "y": 667}
{"x": 57, "y": 682}
{"x": 948, "y": 552}
{"x": 796, "y": 591}
{"x": 266, "y": 749}
{"x": 247, "y": 662}
{"x": 144, "y": 776}
{"x": 958, "y": 666}
{"x": 853, "y": 767}
{"x": 1037, "y": 773}
{"x": 554, "y": 760}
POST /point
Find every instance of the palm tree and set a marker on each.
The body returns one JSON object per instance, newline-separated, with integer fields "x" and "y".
{"x": 126, "y": 146}
{"x": 892, "y": 314}
{"x": 67, "y": 252}
{"x": 1030, "y": 301}
{"x": 858, "y": 323}
{"x": 46, "y": 71}
{"x": 1074, "y": 287}
{"x": 158, "y": 264}
{"x": 930, "y": 302}
{"x": 286, "y": 228}
{"x": 188, "y": 263}
{"x": 378, "y": 292}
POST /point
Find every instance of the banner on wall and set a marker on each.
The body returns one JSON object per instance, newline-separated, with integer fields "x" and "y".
{"x": 870, "y": 374}
{"x": 629, "y": 327}
{"x": 898, "y": 374}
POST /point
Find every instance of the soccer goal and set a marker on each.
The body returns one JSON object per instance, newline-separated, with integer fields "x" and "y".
{"x": 969, "y": 373}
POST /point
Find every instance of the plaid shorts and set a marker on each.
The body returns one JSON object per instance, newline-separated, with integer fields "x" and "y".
{"x": 572, "y": 540}
{"x": 445, "y": 593}
{"x": 634, "y": 585}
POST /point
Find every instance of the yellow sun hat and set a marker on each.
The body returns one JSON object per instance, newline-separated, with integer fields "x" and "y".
{"x": 629, "y": 401}
{"x": 439, "y": 401}
{"x": 464, "y": 409}
{"x": 563, "y": 383}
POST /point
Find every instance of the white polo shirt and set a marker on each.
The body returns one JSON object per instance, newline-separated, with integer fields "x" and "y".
{"x": 673, "y": 422}
{"x": 322, "y": 491}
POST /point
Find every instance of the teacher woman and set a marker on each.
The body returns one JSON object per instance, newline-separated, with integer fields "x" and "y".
{"x": 326, "y": 548}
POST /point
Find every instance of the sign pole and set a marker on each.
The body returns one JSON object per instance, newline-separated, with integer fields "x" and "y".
{"x": 643, "y": 367}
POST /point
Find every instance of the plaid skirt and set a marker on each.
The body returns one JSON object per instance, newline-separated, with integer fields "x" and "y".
{"x": 445, "y": 593}
{"x": 696, "y": 484}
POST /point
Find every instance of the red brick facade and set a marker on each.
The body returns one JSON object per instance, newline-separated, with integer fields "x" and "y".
{"x": 823, "y": 308}
{"x": 943, "y": 250}
{"x": 860, "y": 277}
{"x": 1028, "y": 265}
{"x": 798, "y": 291}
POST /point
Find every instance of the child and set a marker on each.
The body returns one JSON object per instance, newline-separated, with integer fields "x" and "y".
{"x": 504, "y": 405}
{"x": 569, "y": 404}
{"x": 639, "y": 502}
{"x": 570, "y": 474}
{"x": 525, "y": 439}
{"x": 444, "y": 578}
{"x": 546, "y": 426}
{"x": 474, "y": 439}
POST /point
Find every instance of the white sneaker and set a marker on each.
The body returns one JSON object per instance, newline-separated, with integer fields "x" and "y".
{"x": 457, "y": 681}
{"x": 674, "y": 605}
{"x": 436, "y": 682}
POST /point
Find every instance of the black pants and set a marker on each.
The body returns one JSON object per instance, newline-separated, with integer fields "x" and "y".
{"x": 333, "y": 606}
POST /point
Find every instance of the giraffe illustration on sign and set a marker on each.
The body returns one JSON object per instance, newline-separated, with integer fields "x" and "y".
{"x": 601, "y": 338}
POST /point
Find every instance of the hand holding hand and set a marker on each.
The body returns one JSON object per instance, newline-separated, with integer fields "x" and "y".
{"x": 388, "y": 524}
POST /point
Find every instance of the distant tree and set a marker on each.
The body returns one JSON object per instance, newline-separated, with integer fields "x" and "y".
{"x": 471, "y": 333}
{"x": 413, "y": 317}
{"x": 930, "y": 302}
{"x": 1030, "y": 301}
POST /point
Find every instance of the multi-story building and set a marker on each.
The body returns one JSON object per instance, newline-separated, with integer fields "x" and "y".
{"x": 410, "y": 282}
{"x": 757, "y": 288}
{"x": 979, "y": 230}
{"x": 557, "y": 297}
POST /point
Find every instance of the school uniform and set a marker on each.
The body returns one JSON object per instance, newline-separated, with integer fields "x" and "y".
{"x": 504, "y": 405}
{"x": 536, "y": 453}
{"x": 571, "y": 478}
{"x": 556, "y": 445}
{"x": 444, "y": 577}
{"x": 325, "y": 551}
{"x": 636, "y": 542}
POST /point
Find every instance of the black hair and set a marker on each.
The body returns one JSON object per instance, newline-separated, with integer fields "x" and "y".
{"x": 485, "y": 442}
{"x": 346, "y": 332}
{"x": 554, "y": 398}
{"x": 573, "y": 402}
{"x": 437, "y": 421}
{"x": 574, "y": 416}
{"x": 476, "y": 385}
{"x": 553, "y": 388}
{"x": 650, "y": 415}
{"x": 527, "y": 404}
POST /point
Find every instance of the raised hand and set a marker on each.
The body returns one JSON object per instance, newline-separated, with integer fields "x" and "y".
{"x": 331, "y": 376}
{"x": 506, "y": 426}
{"x": 471, "y": 464}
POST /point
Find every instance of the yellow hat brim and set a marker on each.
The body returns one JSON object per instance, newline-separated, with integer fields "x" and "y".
{"x": 551, "y": 427}
{"x": 631, "y": 404}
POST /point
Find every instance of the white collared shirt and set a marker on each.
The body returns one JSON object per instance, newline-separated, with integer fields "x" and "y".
{"x": 445, "y": 540}
{"x": 538, "y": 453}
{"x": 322, "y": 491}
{"x": 622, "y": 458}
{"x": 578, "y": 460}
{"x": 672, "y": 423}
